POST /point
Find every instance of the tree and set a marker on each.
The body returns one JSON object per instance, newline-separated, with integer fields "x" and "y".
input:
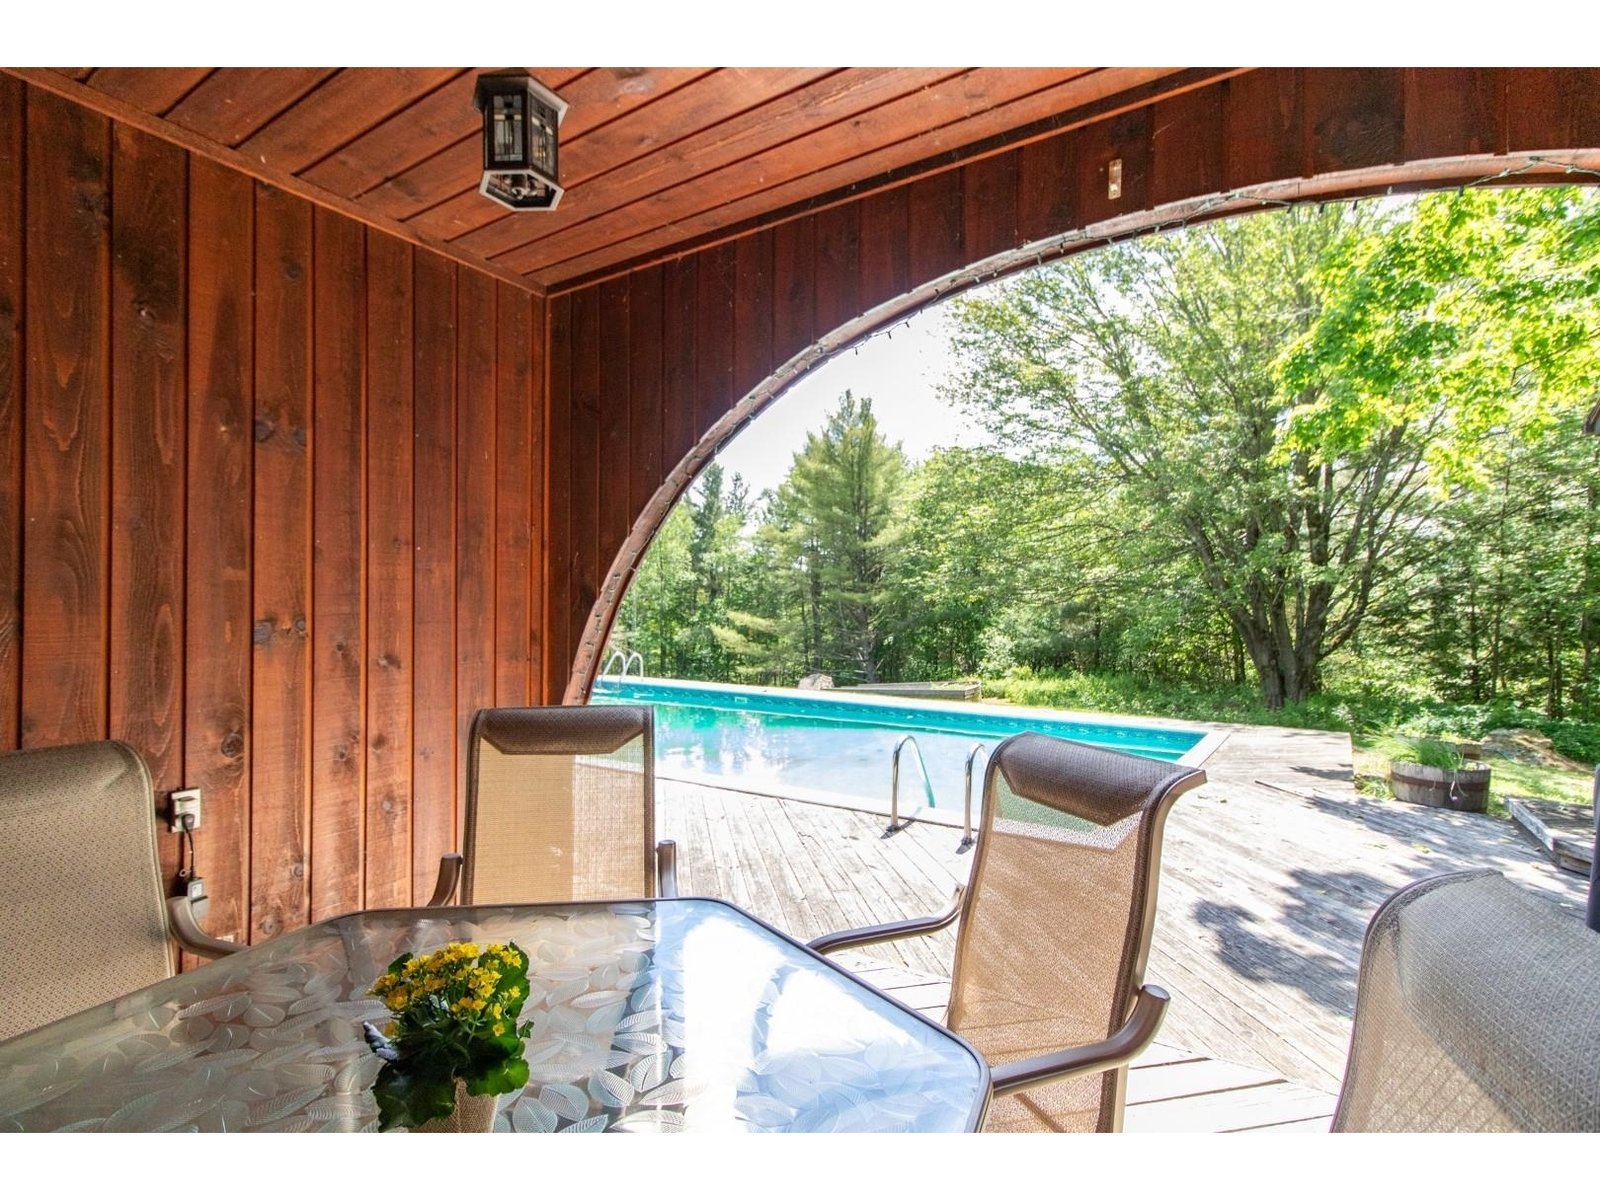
{"x": 836, "y": 514}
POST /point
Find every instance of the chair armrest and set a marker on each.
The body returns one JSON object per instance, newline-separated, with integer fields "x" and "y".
{"x": 871, "y": 934}
{"x": 187, "y": 933}
{"x": 667, "y": 869}
{"x": 449, "y": 877}
{"x": 1149, "y": 1006}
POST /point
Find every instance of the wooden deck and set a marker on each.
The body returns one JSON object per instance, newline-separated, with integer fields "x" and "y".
{"x": 1269, "y": 876}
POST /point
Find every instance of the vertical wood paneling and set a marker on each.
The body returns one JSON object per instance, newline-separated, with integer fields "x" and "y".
{"x": 558, "y": 507}
{"x": 644, "y": 375}
{"x": 389, "y": 573}
{"x": 534, "y": 314}
{"x": 1262, "y": 121}
{"x": 1045, "y": 200}
{"x": 1127, "y": 138}
{"x": 885, "y": 248}
{"x": 988, "y": 207}
{"x": 338, "y": 709}
{"x": 615, "y": 367}
{"x": 1353, "y": 118}
{"x": 217, "y": 692}
{"x": 935, "y": 216}
{"x": 66, "y": 425}
{"x": 838, "y": 266}
{"x": 1552, "y": 108}
{"x": 794, "y": 278}
{"x": 1448, "y": 109}
{"x": 584, "y": 435}
{"x": 680, "y": 286}
{"x": 752, "y": 312}
{"x": 12, "y": 242}
{"x": 149, "y": 432}
{"x": 713, "y": 336}
{"x": 280, "y": 831}
{"x": 513, "y": 544}
{"x": 475, "y": 509}
{"x": 1186, "y": 146}
{"x": 433, "y": 749}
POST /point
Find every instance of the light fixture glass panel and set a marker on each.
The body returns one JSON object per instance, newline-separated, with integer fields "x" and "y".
{"x": 508, "y": 125}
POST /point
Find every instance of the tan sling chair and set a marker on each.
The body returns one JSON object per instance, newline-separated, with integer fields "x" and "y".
{"x": 560, "y": 806}
{"x": 85, "y": 918}
{"x": 1055, "y": 929}
{"x": 1477, "y": 1009}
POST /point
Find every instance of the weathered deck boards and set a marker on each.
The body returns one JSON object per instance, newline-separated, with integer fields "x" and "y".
{"x": 1169, "y": 1090}
{"x": 1269, "y": 876}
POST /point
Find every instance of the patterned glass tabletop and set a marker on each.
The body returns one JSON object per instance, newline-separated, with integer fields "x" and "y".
{"x": 667, "y": 1015}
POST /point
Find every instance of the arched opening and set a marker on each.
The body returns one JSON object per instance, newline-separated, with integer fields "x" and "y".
{"x": 591, "y": 636}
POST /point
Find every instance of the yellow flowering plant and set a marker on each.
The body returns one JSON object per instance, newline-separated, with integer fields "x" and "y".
{"x": 454, "y": 1017}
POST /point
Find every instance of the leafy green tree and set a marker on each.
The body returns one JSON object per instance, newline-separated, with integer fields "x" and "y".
{"x": 1286, "y": 394}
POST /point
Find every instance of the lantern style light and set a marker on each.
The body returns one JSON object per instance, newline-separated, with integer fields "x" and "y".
{"x": 520, "y": 120}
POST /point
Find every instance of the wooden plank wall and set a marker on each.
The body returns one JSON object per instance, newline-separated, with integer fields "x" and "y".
{"x": 270, "y": 489}
{"x": 644, "y": 364}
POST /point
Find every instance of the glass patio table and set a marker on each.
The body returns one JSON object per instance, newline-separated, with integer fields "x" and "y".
{"x": 678, "y": 1014}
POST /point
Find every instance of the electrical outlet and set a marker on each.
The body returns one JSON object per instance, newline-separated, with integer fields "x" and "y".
{"x": 180, "y": 803}
{"x": 1114, "y": 180}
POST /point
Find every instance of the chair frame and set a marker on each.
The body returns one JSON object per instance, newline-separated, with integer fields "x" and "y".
{"x": 452, "y": 865}
{"x": 1148, "y": 1004}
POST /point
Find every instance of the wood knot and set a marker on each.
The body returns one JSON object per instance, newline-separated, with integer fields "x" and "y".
{"x": 293, "y": 271}
{"x": 261, "y": 633}
{"x": 269, "y": 925}
{"x": 264, "y": 429}
{"x": 389, "y": 661}
{"x": 300, "y": 439}
{"x": 298, "y": 870}
{"x": 378, "y": 742}
{"x": 300, "y": 627}
{"x": 232, "y": 745}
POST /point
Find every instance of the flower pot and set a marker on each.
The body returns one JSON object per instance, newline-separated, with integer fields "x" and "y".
{"x": 472, "y": 1114}
{"x": 1466, "y": 790}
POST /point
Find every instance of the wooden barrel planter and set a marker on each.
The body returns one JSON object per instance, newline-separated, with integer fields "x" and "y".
{"x": 1466, "y": 790}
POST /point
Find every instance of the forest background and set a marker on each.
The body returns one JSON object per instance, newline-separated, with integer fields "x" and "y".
{"x": 1317, "y": 466}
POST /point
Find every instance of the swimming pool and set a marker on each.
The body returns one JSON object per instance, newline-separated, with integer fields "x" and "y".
{"x": 824, "y": 746}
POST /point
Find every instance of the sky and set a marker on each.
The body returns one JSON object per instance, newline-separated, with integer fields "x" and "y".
{"x": 900, "y": 369}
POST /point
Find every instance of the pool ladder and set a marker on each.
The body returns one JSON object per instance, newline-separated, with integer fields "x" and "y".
{"x": 617, "y": 656}
{"x": 896, "y": 824}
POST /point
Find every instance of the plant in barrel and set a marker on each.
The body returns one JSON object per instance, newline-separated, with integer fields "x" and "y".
{"x": 454, "y": 1039}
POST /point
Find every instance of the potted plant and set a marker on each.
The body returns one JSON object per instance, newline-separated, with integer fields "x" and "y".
{"x": 454, "y": 1043}
{"x": 1435, "y": 773}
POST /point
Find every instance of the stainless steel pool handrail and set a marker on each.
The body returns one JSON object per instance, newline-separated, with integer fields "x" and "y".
{"x": 966, "y": 807}
{"x": 894, "y": 782}
{"x": 626, "y": 660}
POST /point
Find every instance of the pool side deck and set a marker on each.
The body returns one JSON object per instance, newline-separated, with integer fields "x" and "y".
{"x": 1269, "y": 876}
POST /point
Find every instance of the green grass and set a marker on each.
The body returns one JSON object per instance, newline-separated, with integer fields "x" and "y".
{"x": 1373, "y": 713}
{"x": 1364, "y": 708}
{"x": 1507, "y": 778}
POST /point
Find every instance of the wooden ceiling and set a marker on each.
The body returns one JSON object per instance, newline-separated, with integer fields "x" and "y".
{"x": 653, "y": 159}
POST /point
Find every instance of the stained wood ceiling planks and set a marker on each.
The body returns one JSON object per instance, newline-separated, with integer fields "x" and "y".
{"x": 652, "y": 157}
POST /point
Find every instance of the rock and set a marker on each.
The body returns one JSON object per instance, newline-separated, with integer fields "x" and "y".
{"x": 816, "y": 683}
{"x": 1527, "y": 746}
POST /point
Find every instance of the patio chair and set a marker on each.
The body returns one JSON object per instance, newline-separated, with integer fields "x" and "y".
{"x": 1476, "y": 1011}
{"x": 560, "y": 806}
{"x": 86, "y": 918}
{"x": 1055, "y": 927}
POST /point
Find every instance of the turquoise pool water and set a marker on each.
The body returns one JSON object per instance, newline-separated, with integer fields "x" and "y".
{"x": 794, "y": 743}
